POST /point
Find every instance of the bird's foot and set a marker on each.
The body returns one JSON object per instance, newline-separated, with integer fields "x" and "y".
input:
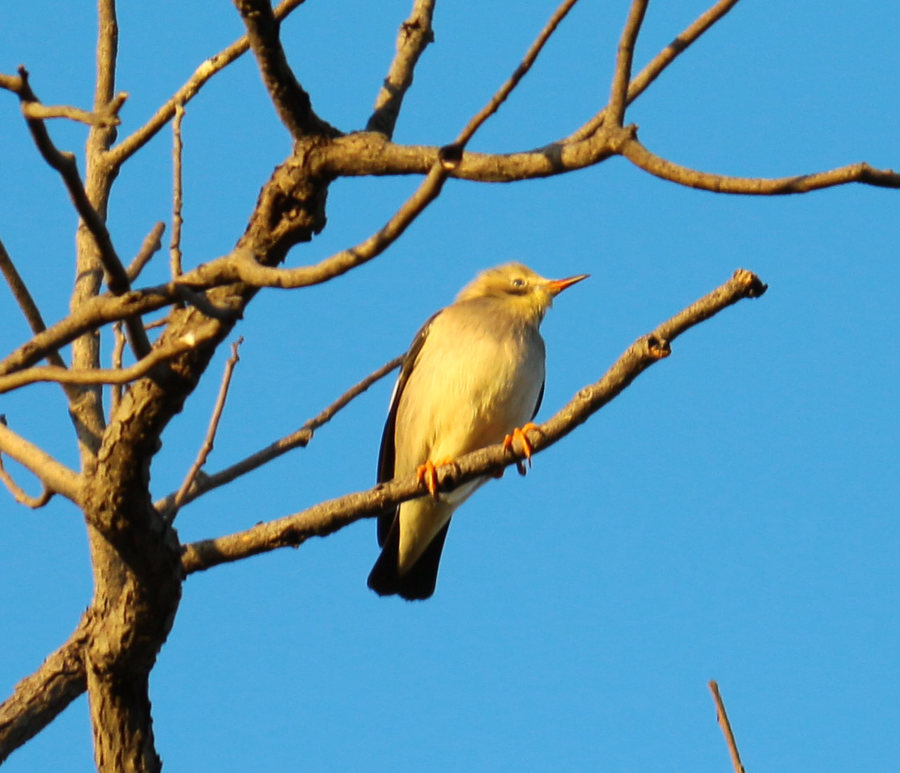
{"x": 427, "y": 474}
{"x": 519, "y": 434}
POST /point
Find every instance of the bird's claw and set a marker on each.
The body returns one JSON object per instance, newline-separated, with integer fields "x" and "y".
{"x": 519, "y": 434}
{"x": 427, "y": 474}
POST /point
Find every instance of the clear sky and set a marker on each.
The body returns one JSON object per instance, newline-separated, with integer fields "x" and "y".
{"x": 733, "y": 515}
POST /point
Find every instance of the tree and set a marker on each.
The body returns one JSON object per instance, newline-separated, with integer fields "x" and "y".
{"x": 138, "y": 560}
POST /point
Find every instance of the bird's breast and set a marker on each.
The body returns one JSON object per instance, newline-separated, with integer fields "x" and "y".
{"x": 477, "y": 377}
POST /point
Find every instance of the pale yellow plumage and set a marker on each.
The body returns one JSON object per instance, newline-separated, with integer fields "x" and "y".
{"x": 475, "y": 372}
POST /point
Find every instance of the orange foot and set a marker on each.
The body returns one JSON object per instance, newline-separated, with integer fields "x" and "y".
{"x": 519, "y": 434}
{"x": 427, "y": 474}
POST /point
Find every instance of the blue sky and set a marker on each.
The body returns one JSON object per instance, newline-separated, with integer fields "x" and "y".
{"x": 732, "y": 515}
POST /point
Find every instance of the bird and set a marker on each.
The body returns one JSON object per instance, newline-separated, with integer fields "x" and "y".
{"x": 473, "y": 377}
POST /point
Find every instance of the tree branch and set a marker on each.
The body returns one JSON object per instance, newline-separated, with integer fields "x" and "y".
{"x": 93, "y": 376}
{"x": 55, "y": 476}
{"x": 722, "y": 718}
{"x": 292, "y": 103}
{"x": 330, "y": 516}
{"x": 298, "y": 439}
{"x": 90, "y": 315}
{"x": 177, "y": 194}
{"x": 415, "y": 34}
{"x": 624, "y": 57}
{"x": 64, "y": 163}
{"x": 19, "y": 494}
{"x": 105, "y": 118}
{"x": 208, "y": 441}
{"x": 37, "y": 699}
{"x": 134, "y": 142}
{"x": 447, "y": 159}
{"x": 524, "y": 66}
{"x": 26, "y": 303}
{"x": 659, "y": 63}
{"x": 861, "y": 172}
{"x": 151, "y": 245}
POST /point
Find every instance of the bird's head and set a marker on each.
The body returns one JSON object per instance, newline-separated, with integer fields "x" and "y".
{"x": 522, "y": 291}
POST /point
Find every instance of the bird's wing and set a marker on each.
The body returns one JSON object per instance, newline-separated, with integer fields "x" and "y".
{"x": 387, "y": 452}
{"x": 537, "y": 405}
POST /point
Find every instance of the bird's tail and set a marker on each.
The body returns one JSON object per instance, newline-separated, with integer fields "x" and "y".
{"x": 419, "y": 581}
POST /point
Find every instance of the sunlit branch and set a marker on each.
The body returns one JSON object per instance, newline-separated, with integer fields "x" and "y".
{"x": 216, "y": 63}
{"x": 38, "y": 698}
{"x": 55, "y": 476}
{"x": 177, "y": 192}
{"x": 94, "y": 376}
{"x": 18, "y": 492}
{"x": 722, "y": 717}
{"x": 624, "y": 58}
{"x": 64, "y": 163}
{"x": 151, "y": 245}
{"x": 861, "y": 172}
{"x": 291, "y": 101}
{"x": 208, "y": 441}
{"x": 660, "y": 62}
{"x": 415, "y": 34}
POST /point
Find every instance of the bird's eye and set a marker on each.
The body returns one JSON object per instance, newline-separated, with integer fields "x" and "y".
{"x": 518, "y": 283}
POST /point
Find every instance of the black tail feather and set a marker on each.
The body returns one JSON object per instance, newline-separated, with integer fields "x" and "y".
{"x": 419, "y": 582}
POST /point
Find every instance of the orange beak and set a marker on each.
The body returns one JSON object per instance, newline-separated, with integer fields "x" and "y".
{"x": 556, "y": 286}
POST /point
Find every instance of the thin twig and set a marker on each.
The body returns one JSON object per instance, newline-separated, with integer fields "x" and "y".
{"x": 152, "y": 243}
{"x": 177, "y": 148}
{"x": 127, "y": 147}
{"x": 297, "y": 439}
{"x": 862, "y": 172}
{"x": 118, "y": 350}
{"x": 95, "y": 376}
{"x": 327, "y": 517}
{"x": 106, "y": 118}
{"x": 618, "y": 97}
{"x": 414, "y": 35}
{"x": 93, "y": 313}
{"x": 722, "y": 717}
{"x": 64, "y": 163}
{"x": 208, "y": 441}
{"x": 18, "y": 493}
{"x": 54, "y": 475}
{"x": 26, "y": 302}
{"x": 524, "y": 66}
{"x": 659, "y": 63}
{"x": 32, "y": 313}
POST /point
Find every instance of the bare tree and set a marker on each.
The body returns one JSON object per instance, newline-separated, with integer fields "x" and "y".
{"x": 138, "y": 562}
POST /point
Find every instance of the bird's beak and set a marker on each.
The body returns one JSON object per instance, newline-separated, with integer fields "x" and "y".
{"x": 556, "y": 286}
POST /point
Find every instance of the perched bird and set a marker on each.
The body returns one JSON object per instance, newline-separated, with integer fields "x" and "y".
{"x": 473, "y": 376}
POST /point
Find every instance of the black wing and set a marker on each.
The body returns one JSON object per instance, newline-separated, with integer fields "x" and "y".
{"x": 387, "y": 451}
{"x": 537, "y": 405}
